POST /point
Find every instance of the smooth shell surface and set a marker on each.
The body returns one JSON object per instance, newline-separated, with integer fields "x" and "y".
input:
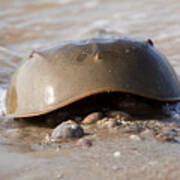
{"x": 55, "y": 77}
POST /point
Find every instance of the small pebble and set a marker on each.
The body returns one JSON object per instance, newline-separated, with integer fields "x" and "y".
{"x": 166, "y": 137}
{"x": 67, "y": 130}
{"x": 102, "y": 121}
{"x": 92, "y": 118}
{"x": 176, "y": 117}
{"x": 135, "y": 137}
{"x": 177, "y": 131}
{"x": 117, "y": 154}
{"x": 119, "y": 115}
{"x": 108, "y": 122}
{"x": 85, "y": 142}
{"x": 112, "y": 123}
{"x": 46, "y": 139}
{"x": 60, "y": 175}
{"x": 148, "y": 132}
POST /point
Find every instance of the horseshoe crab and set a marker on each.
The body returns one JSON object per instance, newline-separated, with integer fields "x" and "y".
{"x": 56, "y": 77}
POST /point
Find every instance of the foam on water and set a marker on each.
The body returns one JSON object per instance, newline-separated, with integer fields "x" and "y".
{"x": 2, "y": 101}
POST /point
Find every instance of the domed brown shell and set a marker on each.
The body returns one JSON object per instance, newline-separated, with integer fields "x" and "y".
{"x": 53, "y": 78}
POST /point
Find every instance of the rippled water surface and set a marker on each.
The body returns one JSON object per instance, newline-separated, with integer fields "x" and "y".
{"x": 28, "y": 25}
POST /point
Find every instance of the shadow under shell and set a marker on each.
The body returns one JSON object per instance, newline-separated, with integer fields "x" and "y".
{"x": 137, "y": 107}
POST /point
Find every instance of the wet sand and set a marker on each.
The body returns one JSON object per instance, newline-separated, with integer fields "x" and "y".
{"x": 123, "y": 152}
{"x": 115, "y": 153}
{"x": 113, "y": 156}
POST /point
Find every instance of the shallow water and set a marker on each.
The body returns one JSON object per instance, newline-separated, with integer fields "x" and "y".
{"x": 29, "y": 25}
